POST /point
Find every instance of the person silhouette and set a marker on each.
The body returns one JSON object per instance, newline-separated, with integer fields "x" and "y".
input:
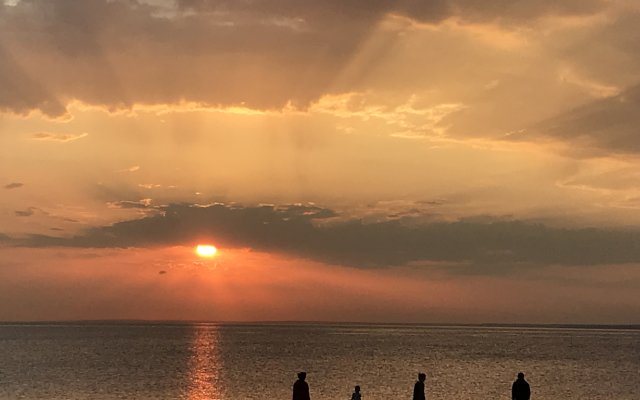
{"x": 520, "y": 389}
{"x": 356, "y": 394}
{"x": 301, "y": 388}
{"x": 418, "y": 388}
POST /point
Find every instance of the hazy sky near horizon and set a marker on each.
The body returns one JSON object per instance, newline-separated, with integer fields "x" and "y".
{"x": 418, "y": 161}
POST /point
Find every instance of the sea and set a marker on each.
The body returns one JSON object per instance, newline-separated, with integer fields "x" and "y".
{"x": 198, "y": 361}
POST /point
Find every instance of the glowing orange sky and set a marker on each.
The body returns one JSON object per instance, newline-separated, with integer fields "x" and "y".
{"x": 457, "y": 161}
{"x": 242, "y": 285}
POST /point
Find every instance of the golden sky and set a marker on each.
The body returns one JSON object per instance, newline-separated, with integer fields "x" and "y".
{"x": 419, "y": 161}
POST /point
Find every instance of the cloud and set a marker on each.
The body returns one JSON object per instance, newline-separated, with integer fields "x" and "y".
{"x": 21, "y": 92}
{"x": 142, "y": 203}
{"x": 132, "y": 168}
{"x": 58, "y": 137}
{"x": 283, "y": 52}
{"x": 408, "y": 119}
{"x": 519, "y": 11}
{"x": 422, "y": 11}
{"x": 27, "y": 212}
{"x": 14, "y": 185}
{"x": 149, "y": 185}
{"x": 608, "y": 125}
{"x": 484, "y": 244}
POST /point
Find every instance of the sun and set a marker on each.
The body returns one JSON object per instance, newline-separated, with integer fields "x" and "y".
{"x": 206, "y": 250}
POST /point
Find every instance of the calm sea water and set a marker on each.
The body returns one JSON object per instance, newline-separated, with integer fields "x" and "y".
{"x": 236, "y": 362}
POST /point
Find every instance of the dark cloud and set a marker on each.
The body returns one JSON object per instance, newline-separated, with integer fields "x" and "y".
{"x": 521, "y": 11}
{"x": 13, "y": 185}
{"x": 317, "y": 233}
{"x": 27, "y": 212}
{"x": 607, "y": 125}
{"x": 607, "y": 53}
{"x": 22, "y": 92}
{"x": 262, "y": 54}
{"x": 320, "y": 12}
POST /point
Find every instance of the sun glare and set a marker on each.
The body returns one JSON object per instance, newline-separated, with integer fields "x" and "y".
{"x": 206, "y": 250}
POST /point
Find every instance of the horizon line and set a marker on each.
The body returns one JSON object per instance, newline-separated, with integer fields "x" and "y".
{"x": 621, "y": 326}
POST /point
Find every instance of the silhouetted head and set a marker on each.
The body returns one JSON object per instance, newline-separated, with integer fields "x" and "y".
{"x": 520, "y": 375}
{"x": 422, "y": 376}
{"x": 302, "y": 375}
{"x": 357, "y": 389}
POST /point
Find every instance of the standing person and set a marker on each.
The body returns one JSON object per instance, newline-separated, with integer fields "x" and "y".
{"x": 418, "y": 388}
{"x": 301, "y": 388}
{"x": 356, "y": 394}
{"x": 520, "y": 389}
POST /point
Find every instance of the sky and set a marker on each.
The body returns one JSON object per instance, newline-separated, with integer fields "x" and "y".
{"x": 442, "y": 161}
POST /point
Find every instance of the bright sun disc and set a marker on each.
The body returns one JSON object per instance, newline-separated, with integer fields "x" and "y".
{"x": 206, "y": 250}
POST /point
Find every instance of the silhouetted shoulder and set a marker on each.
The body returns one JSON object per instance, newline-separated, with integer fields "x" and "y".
{"x": 520, "y": 389}
{"x": 418, "y": 388}
{"x": 356, "y": 394}
{"x": 301, "y": 388}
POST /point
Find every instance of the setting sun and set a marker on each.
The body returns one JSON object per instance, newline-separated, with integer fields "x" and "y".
{"x": 206, "y": 250}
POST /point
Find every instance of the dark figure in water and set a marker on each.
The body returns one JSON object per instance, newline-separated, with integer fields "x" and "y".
{"x": 520, "y": 389}
{"x": 418, "y": 388}
{"x": 356, "y": 394}
{"x": 301, "y": 388}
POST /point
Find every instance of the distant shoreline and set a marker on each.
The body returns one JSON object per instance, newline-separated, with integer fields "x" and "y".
{"x": 325, "y": 323}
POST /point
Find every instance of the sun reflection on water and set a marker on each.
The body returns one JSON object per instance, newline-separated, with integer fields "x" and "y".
{"x": 205, "y": 364}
